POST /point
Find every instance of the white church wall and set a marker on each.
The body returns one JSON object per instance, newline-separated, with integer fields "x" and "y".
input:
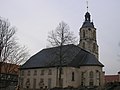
{"x": 94, "y": 69}
{"x": 66, "y": 77}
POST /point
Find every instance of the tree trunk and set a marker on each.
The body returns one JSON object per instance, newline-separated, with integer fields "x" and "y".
{"x": 60, "y": 67}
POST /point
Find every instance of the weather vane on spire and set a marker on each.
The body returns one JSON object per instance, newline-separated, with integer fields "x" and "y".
{"x": 87, "y": 5}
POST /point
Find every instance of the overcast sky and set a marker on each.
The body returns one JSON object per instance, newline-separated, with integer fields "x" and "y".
{"x": 35, "y": 18}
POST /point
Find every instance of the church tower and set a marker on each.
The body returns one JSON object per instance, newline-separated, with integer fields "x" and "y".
{"x": 88, "y": 36}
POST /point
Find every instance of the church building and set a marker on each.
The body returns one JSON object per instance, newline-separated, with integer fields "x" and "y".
{"x": 80, "y": 68}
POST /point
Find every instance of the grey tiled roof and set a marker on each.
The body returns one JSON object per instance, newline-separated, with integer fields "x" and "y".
{"x": 88, "y": 24}
{"x": 72, "y": 56}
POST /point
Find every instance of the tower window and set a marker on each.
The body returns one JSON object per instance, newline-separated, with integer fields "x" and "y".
{"x": 83, "y": 33}
{"x": 89, "y": 29}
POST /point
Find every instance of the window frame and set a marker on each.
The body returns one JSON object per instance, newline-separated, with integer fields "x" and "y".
{"x": 28, "y": 73}
{"x": 42, "y": 72}
{"x": 73, "y": 76}
{"x": 49, "y": 72}
{"x": 35, "y": 72}
{"x": 91, "y": 74}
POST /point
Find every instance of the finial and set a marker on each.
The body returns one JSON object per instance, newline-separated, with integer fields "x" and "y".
{"x": 87, "y": 5}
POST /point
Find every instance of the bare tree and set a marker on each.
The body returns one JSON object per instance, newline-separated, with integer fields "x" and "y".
{"x": 10, "y": 51}
{"x": 61, "y": 36}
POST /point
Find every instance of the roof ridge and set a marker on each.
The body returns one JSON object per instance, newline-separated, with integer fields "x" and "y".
{"x": 58, "y": 46}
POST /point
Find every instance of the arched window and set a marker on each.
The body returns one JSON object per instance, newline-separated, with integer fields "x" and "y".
{"x": 91, "y": 74}
{"x": 73, "y": 76}
{"x": 82, "y": 78}
{"x": 98, "y": 77}
{"x": 83, "y": 33}
{"x": 91, "y": 79}
{"x": 97, "y": 74}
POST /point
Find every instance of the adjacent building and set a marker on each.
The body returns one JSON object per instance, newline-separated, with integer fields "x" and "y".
{"x": 112, "y": 78}
{"x": 8, "y": 76}
{"x": 80, "y": 66}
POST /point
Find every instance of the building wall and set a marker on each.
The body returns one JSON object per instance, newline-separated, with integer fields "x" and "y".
{"x": 68, "y": 78}
{"x": 98, "y": 79}
{"x": 45, "y": 76}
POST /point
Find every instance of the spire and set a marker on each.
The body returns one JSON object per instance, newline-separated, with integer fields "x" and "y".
{"x": 87, "y": 15}
{"x": 87, "y": 22}
{"x": 87, "y": 5}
